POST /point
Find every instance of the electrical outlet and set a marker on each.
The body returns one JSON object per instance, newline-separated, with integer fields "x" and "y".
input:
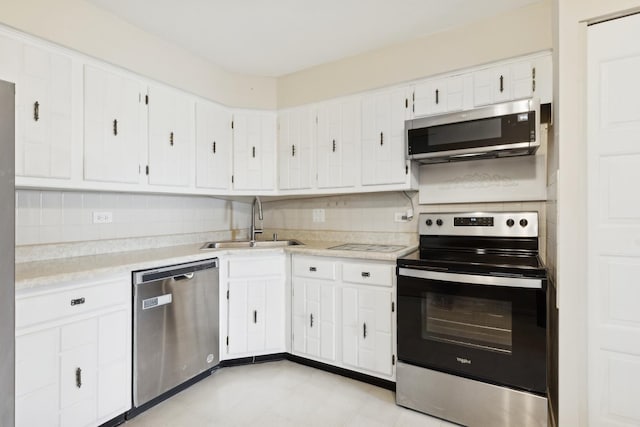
{"x": 400, "y": 217}
{"x": 318, "y": 215}
{"x": 102, "y": 217}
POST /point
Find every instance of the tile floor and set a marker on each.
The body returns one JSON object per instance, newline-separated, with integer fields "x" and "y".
{"x": 281, "y": 394}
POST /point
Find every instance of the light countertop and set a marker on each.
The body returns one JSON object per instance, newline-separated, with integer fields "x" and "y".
{"x": 36, "y": 275}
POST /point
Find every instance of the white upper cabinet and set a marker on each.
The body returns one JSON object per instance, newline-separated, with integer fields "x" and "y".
{"x": 112, "y": 127}
{"x": 296, "y": 141}
{"x": 213, "y": 146}
{"x": 441, "y": 95}
{"x": 43, "y": 108}
{"x": 383, "y": 116}
{"x": 254, "y": 152}
{"x": 525, "y": 78}
{"x": 171, "y": 137}
{"x": 338, "y": 143}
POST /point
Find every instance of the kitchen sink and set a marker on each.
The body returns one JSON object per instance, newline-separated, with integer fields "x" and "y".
{"x": 240, "y": 244}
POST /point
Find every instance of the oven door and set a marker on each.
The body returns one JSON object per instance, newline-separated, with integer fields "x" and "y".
{"x": 487, "y": 328}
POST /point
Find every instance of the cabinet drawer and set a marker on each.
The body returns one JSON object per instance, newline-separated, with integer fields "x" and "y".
{"x": 256, "y": 267}
{"x": 368, "y": 274}
{"x": 315, "y": 268}
{"x": 55, "y": 305}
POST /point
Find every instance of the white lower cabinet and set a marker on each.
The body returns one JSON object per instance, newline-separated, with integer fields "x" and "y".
{"x": 73, "y": 369}
{"x": 314, "y": 318}
{"x": 253, "y": 310}
{"x": 366, "y": 329}
{"x": 343, "y": 313}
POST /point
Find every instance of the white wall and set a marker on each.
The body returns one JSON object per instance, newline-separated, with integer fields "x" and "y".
{"x": 44, "y": 217}
{"x": 517, "y": 32}
{"x": 84, "y": 27}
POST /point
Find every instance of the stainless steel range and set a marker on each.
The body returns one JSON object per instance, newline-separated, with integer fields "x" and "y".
{"x": 472, "y": 320}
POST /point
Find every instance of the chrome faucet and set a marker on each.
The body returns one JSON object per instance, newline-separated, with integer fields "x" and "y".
{"x": 255, "y": 230}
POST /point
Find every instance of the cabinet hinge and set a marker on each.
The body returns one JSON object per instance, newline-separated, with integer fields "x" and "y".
{"x": 393, "y": 359}
{"x": 393, "y": 306}
{"x": 146, "y": 100}
{"x": 147, "y": 169}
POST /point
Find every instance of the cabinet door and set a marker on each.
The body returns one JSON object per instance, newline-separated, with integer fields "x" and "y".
{"x": 338, "y": 135}
{"x": 112, "y": 121}
{"x": 254, "y": 139}
{"x": 383, "y": 117}
{"x": 238, "y": 317}
{"x": 114, "y": 361}
{"x": 366, "y": 327}
{"x": 43, "y": 112}
{"x": 78, "y": 386}
{"x": 213, "y": 146}
{"x": 297, "y": 136}
{"x": 265, "y": 330}
{"x": 436, "y": 96}
{"x": 492, "y": 85}
{"x": 37, "y": 378}
{"x": 314, "y": 318}
{"x": 522, "y": 79}
{"x": 171, "y": 143}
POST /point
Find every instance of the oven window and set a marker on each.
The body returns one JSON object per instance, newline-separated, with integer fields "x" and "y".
{"x": 469, "y": 321}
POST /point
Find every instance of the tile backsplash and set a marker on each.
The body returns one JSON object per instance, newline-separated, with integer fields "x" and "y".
{"x": 44, "y": 217}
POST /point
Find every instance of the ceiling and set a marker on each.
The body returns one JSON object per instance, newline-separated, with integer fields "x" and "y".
{"x": 278, "y": 37}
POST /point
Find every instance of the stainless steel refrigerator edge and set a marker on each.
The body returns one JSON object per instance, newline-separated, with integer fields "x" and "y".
{"x": 175, "y": 327}
{"x": 7, "y": 252}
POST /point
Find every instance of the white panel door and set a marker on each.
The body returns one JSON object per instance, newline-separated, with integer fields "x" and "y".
{"x": 314, "y": 318}
{"x": 383, "y": 117}
{"x": 436, "y": 96}
{"x": 613, "y": 153}
{"x": 491, "y": 85}
{"x": 114, "y": 354}
{"x": 43, "y": 113}
{"x": 366, "y": 329}
{"x": 171, "y": 137}
{"x": 254, "y": 149}
{"x": 297, "y": 137}
{"x": 237, "y": 311}
{"x": 213, "y": 146}
{"x": 112, "y": 120}
{"x": 522, "y": 78}
{"x": 338, "y": 140}
{"x": 256, "y": 310}
{"x": 37, "y": 386}
{"x": 274, "y": 315}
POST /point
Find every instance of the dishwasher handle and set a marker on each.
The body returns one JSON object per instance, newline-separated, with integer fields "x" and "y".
{"x": 178, "y": 272}
{"x": 186, "y": 276}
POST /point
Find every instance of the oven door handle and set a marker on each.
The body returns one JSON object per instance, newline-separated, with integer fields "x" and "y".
{"x": 472, "y": 279}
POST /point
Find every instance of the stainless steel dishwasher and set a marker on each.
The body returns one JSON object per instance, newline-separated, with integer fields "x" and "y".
{"x": 175, "y": 327}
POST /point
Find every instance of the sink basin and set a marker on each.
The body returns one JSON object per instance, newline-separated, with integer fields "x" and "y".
{"x": 240, "y": 244}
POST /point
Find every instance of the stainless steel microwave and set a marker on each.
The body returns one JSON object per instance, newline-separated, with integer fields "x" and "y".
{"x": 501, "y": 130}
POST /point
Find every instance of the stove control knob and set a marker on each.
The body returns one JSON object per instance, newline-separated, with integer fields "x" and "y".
{"x": 523, "y": 222}
{"x": 439, "y": 222}
{"x": 429, "y": 222}
{"x": 510, "y": 222}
